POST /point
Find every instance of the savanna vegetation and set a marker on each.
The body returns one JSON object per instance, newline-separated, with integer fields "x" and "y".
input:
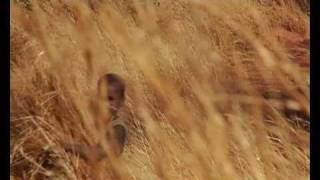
{"x": 216, "y": 89}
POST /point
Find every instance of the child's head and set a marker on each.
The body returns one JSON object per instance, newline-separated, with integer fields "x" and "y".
{"x": 111, "y": 88}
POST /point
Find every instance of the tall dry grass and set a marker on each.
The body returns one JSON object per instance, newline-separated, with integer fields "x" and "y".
{"x": 196, "y": 73}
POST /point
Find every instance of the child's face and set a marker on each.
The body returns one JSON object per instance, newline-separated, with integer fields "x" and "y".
{"x": 111, "y": 92}
{"x": 114, "y": 99}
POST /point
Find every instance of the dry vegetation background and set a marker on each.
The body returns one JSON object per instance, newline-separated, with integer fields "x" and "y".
{"x": 197, "y": 74}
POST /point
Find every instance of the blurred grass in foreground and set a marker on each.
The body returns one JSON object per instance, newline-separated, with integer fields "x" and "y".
{"x": 196, "y": 73}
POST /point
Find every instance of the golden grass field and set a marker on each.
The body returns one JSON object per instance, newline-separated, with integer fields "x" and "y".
{"x": 196, "y": 72}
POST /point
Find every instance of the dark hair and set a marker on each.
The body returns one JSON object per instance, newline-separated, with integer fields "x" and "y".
{"x": 115, "y": 81}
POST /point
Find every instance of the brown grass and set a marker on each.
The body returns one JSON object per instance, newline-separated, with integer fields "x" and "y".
{"x": 195, "y": 70}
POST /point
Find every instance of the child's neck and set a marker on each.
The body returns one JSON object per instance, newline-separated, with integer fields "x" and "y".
{"x": 114, "y": 114}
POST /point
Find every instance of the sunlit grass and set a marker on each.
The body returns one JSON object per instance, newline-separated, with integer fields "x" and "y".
{"x": 196, "y": 73}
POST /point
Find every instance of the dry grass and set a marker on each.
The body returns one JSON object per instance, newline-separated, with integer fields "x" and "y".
{"x": 196, "y": 73}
